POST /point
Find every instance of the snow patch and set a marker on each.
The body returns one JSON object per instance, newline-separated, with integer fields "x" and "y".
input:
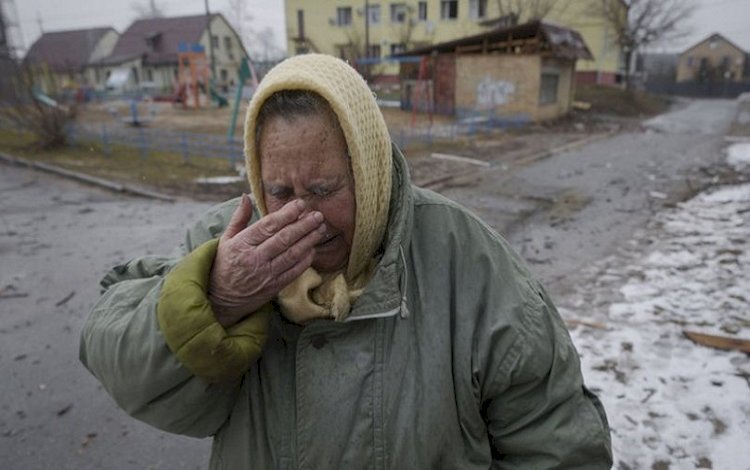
{"x": 738, "y": 155}
{"x": 670, "y": 400}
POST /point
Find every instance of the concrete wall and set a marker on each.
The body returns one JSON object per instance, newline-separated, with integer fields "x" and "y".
{"x": 508, "y": 87}
{"x": 495, "y": 85}
{"x": 713, "y": 50}
{"x": 565, "y": 71}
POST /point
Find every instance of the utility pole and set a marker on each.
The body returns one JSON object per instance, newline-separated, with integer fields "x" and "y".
{"x": 210, "y": 42}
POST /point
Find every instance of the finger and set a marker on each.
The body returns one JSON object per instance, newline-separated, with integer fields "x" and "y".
{"x": 274, "y": 222}
{"x": 287, "y": 237}
{"x": 296, "y": 252}
{"x": 295, "y": 271}
{"x": 240, "y": 217}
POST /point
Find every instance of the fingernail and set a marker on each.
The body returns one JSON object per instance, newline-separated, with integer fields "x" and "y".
{"x": 317, "y": 217}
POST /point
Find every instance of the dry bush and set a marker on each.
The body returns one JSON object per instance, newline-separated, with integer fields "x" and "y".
{"x": 24, "y": 107}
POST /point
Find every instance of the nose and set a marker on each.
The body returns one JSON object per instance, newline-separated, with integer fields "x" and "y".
{"x": 311, "y": 202}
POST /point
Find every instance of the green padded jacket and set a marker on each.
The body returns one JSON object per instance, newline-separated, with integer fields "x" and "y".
{"x": 453, "y": 357}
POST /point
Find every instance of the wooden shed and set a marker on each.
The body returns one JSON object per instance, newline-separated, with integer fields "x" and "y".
{"x": 520, "y": 73}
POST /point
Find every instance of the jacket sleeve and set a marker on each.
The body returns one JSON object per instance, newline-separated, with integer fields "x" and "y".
{"x": 538, "y": 411}
{"x": 123, "y": 345}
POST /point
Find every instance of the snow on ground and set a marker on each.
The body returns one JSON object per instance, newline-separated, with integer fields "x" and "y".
{"x": 672, "y": 404}
{"x": 738, "y": 155}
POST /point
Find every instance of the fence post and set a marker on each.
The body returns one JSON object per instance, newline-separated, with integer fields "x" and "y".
{"x": 142, "y": 143}
{"x": 105, "y": 141}
{"x": 233, "y": 156}
{"x": 185, "y": 147}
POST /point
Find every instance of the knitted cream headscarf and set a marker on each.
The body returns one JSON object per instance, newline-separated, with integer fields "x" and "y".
{"x": 312, "y": 296}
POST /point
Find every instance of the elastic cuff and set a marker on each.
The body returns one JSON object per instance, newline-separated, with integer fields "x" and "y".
{"x": 190, "y": 328}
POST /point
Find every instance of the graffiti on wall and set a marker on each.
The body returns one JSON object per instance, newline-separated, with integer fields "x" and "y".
{"x": 492, "y": 93}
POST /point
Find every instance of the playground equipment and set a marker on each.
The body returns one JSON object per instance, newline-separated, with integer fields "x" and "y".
{"x": 194, "y": 76}
{"x": 192, "y": 71}
{"x": 44, "y": 99}
{"x": 134, "y": 116}
{"x": 247, "y": 71}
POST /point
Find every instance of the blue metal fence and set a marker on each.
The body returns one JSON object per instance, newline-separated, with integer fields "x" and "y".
{"x": 190, "y": 144}
{"x": 147, "y": 140}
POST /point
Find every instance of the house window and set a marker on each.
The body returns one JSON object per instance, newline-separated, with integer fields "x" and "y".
{"x": 548, "y": 88}
{"x": 422, "y": 10}
{"x": 224, "y": 75}
{"x": 374, "y": 51}
{"x": 228, "y": 47}
{"x": 690, "y": 61}
{"x": 448, "y": 9}
{"x": 343, "y": 16}
{"x": 373, "y": 14}
{"x": 398, "y": 48}
{"x": 477, "y": 9}
{"x": 135, "y": 75}
{"x": 149, "y": 75}
{"x": 215, "y": 42}
{"x": 398, "y": 12}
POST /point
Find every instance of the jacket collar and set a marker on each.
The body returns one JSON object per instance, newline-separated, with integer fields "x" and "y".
{"x": 385, "y": 294}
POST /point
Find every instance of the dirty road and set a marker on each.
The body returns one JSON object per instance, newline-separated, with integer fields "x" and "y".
{"x": 562, "y": 212}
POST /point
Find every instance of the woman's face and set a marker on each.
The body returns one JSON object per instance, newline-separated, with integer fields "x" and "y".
{"x": 306, "y": 158}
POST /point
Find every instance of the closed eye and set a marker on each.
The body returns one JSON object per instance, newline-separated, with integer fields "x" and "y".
{"x": 279, "y": 192}
{"x": 320, "y": 191}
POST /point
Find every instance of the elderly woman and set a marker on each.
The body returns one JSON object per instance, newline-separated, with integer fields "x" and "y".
{"x": 353, "y": 321}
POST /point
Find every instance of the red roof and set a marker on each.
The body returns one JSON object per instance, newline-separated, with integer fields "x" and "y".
{"x": 66, "y": 51}
{"x": 157, "y": 40}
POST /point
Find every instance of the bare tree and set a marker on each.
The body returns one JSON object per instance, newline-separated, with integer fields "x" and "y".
{"x": 147, "y": 11}
{"x": 27, "y": 109}
{"x": 515, "y": 11}
{"x": 259, "y": 43}
{"x": 241, "y": 20}
{"x": 641, "y": 23}
{"x": 264, "y": 46}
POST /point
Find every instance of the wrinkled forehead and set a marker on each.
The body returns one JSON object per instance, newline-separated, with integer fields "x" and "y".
{"x": 291, "y": 105}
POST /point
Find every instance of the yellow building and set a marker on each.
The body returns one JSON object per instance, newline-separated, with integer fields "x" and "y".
{"x": 339, "y": 28}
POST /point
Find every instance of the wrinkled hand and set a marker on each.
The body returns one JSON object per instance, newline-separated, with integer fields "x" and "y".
{"x": 254, "y": 263}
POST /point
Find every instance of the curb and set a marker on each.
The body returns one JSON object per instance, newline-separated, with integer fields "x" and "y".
{"x": 88, "y": 179}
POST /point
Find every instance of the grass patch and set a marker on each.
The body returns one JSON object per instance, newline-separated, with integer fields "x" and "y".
{"x": 162, "y": 171}
{"x": 618, "y": 102}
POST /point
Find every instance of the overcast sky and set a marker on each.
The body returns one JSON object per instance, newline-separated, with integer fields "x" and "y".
{"x": 728, "y": 17}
